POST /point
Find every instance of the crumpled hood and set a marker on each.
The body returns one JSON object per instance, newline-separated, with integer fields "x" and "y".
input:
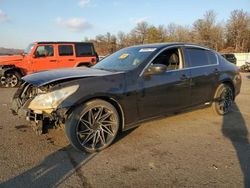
{"x": 10, "y": 60}
{"x": 46, "y": 77}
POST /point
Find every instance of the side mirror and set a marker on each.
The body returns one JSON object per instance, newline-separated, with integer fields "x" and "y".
{"x": 156, "y": 69}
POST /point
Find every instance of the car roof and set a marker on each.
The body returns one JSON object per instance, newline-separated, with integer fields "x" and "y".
{"x": 166, "y": 44}
{"x": 62, "y": 42}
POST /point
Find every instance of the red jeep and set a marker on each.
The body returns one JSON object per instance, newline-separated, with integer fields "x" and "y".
{"x": 41, "y": 56}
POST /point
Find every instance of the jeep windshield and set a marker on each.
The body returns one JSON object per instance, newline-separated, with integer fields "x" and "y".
{"x": 29, "y": 48}
{"x": 125, "y": 59}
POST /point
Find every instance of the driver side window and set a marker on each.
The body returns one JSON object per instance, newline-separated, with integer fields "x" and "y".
{"x": 44, "y": 51}
{"x": 170, "y": 57}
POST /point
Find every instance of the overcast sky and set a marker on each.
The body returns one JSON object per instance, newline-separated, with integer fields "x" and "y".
{"x": 25, "y": 21}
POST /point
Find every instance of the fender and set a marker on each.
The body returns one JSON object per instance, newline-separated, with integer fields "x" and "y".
{"x": 109, "y": 98}
{"x": 233, "y": 80}
{"x": 6, "y": 68}
{"x": 226, "y": 77}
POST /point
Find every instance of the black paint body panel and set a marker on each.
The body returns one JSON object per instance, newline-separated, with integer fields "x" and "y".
{"x": 143, "y": 96}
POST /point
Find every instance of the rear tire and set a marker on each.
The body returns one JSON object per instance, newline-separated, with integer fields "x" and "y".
{"x": 11, "y": 79}
{"x": 223, "y": 99}
{"x": 93, "y": 126}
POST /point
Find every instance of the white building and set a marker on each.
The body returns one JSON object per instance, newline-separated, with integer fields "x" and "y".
{"x": 242, "y": 58}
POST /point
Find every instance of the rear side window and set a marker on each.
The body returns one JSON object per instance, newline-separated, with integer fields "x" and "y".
{"x": 200, "y": 57}
{"x": 212, "y": 58}
{"x": 65, "y": 50}
{"x": 83, "y": 50}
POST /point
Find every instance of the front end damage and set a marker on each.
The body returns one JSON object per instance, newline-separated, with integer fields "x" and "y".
{"x": 41, "y": 106}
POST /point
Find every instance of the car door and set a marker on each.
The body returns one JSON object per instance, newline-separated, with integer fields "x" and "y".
{"x": 43, "y": 58}
{"x": 85, "y": 54}
{"x": 204, "y": 69}
{"x": 66, "y": 55}
{"x": 166, "y": 92}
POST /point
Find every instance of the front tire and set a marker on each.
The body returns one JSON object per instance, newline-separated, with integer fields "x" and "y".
{"x": 93, "y": 126}
{"x": 223, "y": 99}
{"x": 10, "y": 79}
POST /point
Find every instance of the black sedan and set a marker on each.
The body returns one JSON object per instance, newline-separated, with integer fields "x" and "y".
{"x": 130, "y": 86}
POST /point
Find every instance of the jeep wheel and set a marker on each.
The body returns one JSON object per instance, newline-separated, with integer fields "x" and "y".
{"x": 10, "y": 79}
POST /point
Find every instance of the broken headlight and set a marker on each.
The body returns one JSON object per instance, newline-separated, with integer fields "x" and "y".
{"x": 52, "y": 99}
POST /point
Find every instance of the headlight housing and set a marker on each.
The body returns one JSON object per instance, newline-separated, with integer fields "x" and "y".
{"x": 52, "y": 99}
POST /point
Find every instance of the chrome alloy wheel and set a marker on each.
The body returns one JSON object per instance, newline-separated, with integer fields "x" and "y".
{"x": 97, "y": 127}
{"x": 9, "y": 80}
{"x": 225, "y": 101}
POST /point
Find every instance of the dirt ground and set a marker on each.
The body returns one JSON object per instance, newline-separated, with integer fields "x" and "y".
{"x": 193, "y": 149}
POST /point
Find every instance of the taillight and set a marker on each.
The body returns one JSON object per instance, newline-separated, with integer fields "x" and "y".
{"x": 93, "y": 61}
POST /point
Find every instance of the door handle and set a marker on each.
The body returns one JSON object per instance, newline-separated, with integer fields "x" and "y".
{"x": 183, "y": 77}
{"x": 216, "y": 71}
{"x": 52, "y": 60}
{"x": 71, "y": 59}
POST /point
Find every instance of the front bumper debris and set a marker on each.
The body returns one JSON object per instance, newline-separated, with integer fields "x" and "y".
{"x": 41, "y": 121}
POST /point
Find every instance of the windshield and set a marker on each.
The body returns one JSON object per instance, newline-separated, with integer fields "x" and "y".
{"x": 125, "y": 59}
{"x": 29, "y": 48}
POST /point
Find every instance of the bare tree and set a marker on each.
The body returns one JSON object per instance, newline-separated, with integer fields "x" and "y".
{"x": 162, "y": 31}
{"x": 178, "y": 33}
{"x": 238, "y": 31}
{"x": 122, "y": 40}
{"x": 234, "y": 36}
{"x": 207, "y": 32}
{"x": 139, "y": 33}
{"x": 171, "y": 32}
{"x": 153, "y": 35}
{"x": 183, "y": 34}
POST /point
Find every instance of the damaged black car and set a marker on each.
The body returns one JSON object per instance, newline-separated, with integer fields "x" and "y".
{"x": 133, "y": 85}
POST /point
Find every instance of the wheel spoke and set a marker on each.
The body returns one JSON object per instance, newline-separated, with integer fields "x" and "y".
{"x": 99, "y": 113}
{"x": 107, "y": 130}
{"x": 3, "y": 81}
{"x": 91, "y": 117}
{"x": 105, "y": 116}
{"x": 88, "y": 138}
{"x": 84, "y": 132}
{"x": 95, "y": 139}
{"x": 108, "y": 123}
{"x": 102, "y": 137}
{"x": 86, "y": 124}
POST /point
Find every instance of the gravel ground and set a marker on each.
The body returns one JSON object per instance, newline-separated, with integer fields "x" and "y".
{"x": 193, "y": 149}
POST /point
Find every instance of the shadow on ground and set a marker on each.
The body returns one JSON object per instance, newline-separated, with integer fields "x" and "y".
{"x": 237, "y": 133}
{"x": 55, "y": 168}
